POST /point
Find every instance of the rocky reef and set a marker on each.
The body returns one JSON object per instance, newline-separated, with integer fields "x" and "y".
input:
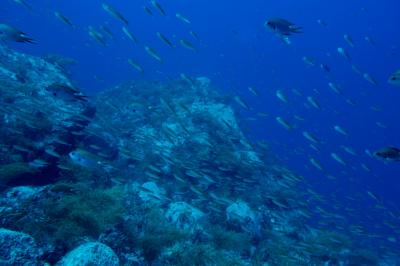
{"x": 40, "y": 121}
{"x": 145, "y": 173}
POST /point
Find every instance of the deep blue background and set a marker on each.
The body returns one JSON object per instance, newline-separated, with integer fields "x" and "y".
{"x": 236, "y": 51}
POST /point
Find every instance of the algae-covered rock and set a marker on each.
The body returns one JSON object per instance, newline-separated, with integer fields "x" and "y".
{"x": 17, "y": 248}
{"x": 241, "y": 216}
{"x": 92, "y": 253}
{"x": 150, "y": 192}
{"x": 42, "y": 116}
{"x": 184, "y": 216}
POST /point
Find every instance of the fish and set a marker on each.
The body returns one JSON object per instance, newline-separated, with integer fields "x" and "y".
{"x": 164, "y": 39}
{"x": 50, "y": 151}
{"x": 394, "y": 79}
{"x": 282, "y": 26}
{"x": 158, "y": 7}
{"x": 349, "y": 40}
{"x": 66, "y": 92}
{"x": 381, "y": 125}
{"x": 135, "y": 65}
{"x": 254, "y": 91}
{"x": 107, "y": 30}
{"x": 38, "y": 163}
{"x": 310, "y": 137}
{"x": 194, "y": 35}
{"x": 24, "y": 4}
{"x": 188, "y": 45}
{"x": 370, "y": 79}
{"x": 344, "y": 53}
{"x": 297, "y": 92}
{"x": 96, "y": 35}
{"x": 325, "y": 68}
{"x": 340, "y": 130}
{"x": 365, "y": 167}
{"x": 242, "y": 103}
{"x": 63, "y": 19}
{"x": 115, "y": 13}
{"x": 348, "y": 150}
{"x": 10, "y": 33}
{"x": 187, "y": 79}
{"x": 389, "y": 153}
{"x": 148, "y": 10}
{"x": 322, "y": 23}
{"x": 129, "y": 35}
{"x": 150, "y": 51}
{"x": 338, "y": 159}
{"x": 369, "y": 40}
{"x": 84, "y": 158}
{"x": 314, "y": 102}
{"x": 356, "y": 69}
{"x": 316, "y": 164}
{"x": 281, "y": 96}
{"x": 22, "y": 149}
{"x": 308, "y": 60}
{"x": 182, "y": 18}
{"x": 284, "y": 123}
{"x": 334, "y": 87}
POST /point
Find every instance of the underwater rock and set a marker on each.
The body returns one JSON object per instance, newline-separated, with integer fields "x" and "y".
{"x": 42, "y": 115}
{"x": 17, "y": 196}
{"x": 184, "y": 216}
{"x": 239, "y": 211}
{"x": 91, "y": 253}
{"x": 150, "y": 192}
{"x": 17, "y": 248}
{"x": 241, "y": 216}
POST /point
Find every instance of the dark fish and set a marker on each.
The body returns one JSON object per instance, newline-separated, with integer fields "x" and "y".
{"x": 115, "y": 13}
{"x": 66, "y": 92}
{"x": 158, "y": 7}
{"x": 389, "y": 153}
{"x": 9, "y": 33}
{"x": 63, "y": 19}
{"x": 282, "y": 26}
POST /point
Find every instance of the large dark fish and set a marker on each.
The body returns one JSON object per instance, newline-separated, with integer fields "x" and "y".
{"x": 282, "y": 26}
{"x": 9, "y": 33}
{"x": 388, "y": 153}
{"x": 66, "y": 93}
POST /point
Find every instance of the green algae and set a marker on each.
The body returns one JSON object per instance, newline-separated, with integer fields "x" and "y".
{"x": 13, "y": 171}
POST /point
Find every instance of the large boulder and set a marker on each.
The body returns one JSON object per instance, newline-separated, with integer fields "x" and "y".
{"x": 184, "y": 216}
{"x": 241, "y": 216}
{"x": 17, "y": 248}
{"x": 91, "y": 253}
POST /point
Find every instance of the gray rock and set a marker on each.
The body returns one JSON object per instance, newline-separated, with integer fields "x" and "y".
{"x": 91, "y": 253}
{"x": 184, "y": 216}
{"x": 242, "y": 216}
{"x": 150, "y": 192}
{"x": 17, "y": 248}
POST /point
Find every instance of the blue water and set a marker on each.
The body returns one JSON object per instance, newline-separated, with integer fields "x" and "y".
{"x": 236, "y": 51}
